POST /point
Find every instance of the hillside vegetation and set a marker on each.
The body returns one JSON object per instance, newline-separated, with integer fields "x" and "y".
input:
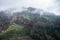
{"x": 29, "y": 25}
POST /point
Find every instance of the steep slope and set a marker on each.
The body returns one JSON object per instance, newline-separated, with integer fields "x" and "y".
{"x": 32, "y": 24}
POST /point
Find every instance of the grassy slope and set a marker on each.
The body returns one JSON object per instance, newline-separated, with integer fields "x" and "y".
{"x": 12, "y": 30}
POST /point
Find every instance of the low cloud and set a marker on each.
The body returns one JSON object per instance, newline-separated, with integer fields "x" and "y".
{"x": 47, "y": 5}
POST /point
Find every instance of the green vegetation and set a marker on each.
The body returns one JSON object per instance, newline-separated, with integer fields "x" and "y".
{"x": 27, "y": 25}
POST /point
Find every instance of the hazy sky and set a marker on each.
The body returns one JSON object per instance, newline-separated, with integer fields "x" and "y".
{"x": 48, "y": 5}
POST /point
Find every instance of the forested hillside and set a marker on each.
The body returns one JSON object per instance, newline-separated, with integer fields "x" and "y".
{"x": 29, "y": 24}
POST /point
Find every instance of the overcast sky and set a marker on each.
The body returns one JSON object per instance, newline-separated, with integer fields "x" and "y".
{"x": 48, "y": 5}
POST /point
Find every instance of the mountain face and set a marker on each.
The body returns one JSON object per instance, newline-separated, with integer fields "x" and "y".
{"x": 32, "y": 14}
{"x": 32, "y": 22}
{"x": 29, "y": 16}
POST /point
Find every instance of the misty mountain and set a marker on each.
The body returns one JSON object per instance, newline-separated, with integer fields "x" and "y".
{"x": 11, "y": 11}
{"x": 32, "y": 22}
